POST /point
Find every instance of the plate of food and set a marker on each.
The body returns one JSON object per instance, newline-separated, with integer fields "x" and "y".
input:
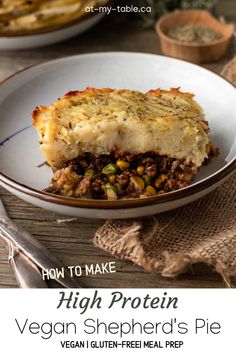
{"x": 116, "y": 135}
{"x": 29, "y": 24}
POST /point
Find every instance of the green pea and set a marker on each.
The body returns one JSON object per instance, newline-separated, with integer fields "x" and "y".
{"x": 103, "y": 187}
{"x": 89, "y": 172}
{"x": 111, "y": 191}
{"x": 110, "y": 186}
{"x": 109, "y": 169}
{"x": 147, "y": 179}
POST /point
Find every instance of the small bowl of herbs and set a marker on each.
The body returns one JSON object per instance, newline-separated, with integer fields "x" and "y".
{"x": 194, "y": 35}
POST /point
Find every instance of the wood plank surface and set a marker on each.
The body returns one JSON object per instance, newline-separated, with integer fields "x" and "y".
{"x": 72, "y": 242}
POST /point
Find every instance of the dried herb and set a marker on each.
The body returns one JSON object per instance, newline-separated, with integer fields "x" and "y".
{"x": 194, "y": 33}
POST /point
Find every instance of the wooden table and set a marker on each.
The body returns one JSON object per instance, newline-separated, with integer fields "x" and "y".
{"x": 72, "y": 242}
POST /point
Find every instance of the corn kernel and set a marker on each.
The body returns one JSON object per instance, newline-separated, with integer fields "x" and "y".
{"x": 137, "y": 182}
{"x": 122, "y": 164}
{"x": 150, "y": 190}
{"x": 112, "y": 178}
{"x": 67, "y": 187}
{"x": 159, "y": 180}
{"x": 140, "y": 170}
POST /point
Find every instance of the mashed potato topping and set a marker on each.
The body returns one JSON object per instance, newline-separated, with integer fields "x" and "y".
{"x": 98, "y": 121}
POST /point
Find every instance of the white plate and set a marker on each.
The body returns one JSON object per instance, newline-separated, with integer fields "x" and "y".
{"x": 43, "y": 84}
{"x": 49, "y": 37}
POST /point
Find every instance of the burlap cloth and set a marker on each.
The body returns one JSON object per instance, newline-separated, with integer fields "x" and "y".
{"x": 168, "y": 243}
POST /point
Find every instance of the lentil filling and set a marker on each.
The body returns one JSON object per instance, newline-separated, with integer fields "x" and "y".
{"x": 122, "y": 175}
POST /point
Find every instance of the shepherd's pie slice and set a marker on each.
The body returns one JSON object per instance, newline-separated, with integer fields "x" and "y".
{"x": 110, "y": 144}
